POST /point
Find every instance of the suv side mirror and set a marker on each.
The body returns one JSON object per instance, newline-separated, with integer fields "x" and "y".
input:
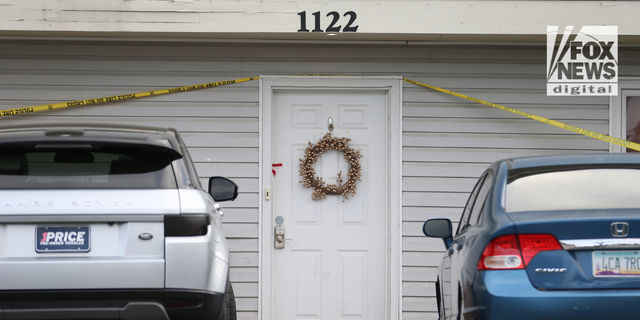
{"x": 222, "y": 189}
{"x": 439, "y": 228}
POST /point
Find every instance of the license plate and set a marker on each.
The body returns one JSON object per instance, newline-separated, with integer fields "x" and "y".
{"x": 63, "y": 239}
{"x": 616, "y": 263}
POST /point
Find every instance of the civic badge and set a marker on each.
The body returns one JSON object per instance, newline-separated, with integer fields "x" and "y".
{"x": 619, "y": 229}
{"x": 145, "y": 236}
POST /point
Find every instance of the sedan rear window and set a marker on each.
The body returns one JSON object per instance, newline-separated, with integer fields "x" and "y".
{"x": 86, "y": 166}
{"x": 582, "y": 189}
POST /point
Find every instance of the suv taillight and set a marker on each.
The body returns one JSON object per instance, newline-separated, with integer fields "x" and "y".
{"x": 186, "y": 225}
{"x": 515, "y": 252}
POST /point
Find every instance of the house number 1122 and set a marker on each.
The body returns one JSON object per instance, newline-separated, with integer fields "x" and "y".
{"x": 349, "y": 27}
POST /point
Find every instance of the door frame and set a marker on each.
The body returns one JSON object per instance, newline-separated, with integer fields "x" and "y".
{"x": 393, "y": 87}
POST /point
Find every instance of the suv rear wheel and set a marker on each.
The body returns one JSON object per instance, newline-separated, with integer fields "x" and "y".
{"x": 229, "y": 304}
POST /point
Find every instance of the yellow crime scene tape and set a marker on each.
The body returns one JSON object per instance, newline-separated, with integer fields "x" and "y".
{"x": 87, "y": 102}
{"x": 588, "y": 133}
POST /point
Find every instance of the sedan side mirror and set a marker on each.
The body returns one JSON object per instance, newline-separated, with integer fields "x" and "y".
{"x": 439, "y": 228}
{"x": 222, "y": 189}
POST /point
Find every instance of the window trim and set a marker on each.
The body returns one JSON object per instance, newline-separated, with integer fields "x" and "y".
{"x": 627, "y": 86}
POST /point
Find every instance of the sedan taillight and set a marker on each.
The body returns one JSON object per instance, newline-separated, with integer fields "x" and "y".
{"x": 511, "y": 252}
{"x": 501, "y": 253}
{"x": 531, "y": 244}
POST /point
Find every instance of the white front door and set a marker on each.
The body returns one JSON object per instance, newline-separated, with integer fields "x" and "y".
{"x": 336, "y": 263}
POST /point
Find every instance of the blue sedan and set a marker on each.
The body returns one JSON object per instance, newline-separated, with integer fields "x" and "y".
{"x": 554, "y": 237}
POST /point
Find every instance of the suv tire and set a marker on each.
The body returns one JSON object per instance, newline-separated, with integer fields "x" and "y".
{"x": 229, "y": 304}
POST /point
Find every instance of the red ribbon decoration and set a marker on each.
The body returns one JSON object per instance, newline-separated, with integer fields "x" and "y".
{"x": 275, "y": 165}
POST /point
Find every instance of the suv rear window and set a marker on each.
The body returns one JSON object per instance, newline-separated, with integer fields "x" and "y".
{"x": 86, "y": 166}
{"x": 581, "y": 189}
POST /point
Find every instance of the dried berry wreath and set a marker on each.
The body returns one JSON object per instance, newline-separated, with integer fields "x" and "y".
{"x": 308, "y": 173}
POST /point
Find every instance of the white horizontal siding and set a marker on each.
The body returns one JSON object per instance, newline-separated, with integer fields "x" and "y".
{"x": 416, "y": 242}
{"x": 421, "y": 214}
{"x": 436, "y": 199}
{"x": 447, "y": 141}
{"x": 224, "y": 155}
{"x": 419, "y": 274}
{"x": 462, "y": 109}
{"x": 245, "y": 215}
{"x": 499, "y": 140}
{"x": 145, "y": 109}
{"x": 247, "y": 278}
{"x": 184, "y": 124}
{"x": 509, "y": 126}
{"x": 442, "y": 169}
{"x": 417, "y": 184}
{"x": 470, "y": 155}
{"x": 240, "y": 230}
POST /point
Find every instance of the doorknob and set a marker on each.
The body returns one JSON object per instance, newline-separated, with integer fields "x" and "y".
{"x": 279, "y": 237}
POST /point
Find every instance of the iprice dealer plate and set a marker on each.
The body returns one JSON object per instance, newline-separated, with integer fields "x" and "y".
{"x": 616, "y": 263}
{"x": 63, "y": 239}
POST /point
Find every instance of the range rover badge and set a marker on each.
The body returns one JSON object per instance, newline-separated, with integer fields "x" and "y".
{"x": 145, "y": 236}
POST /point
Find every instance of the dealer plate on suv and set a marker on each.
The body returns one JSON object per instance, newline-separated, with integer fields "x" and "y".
{"x": 63, "y": 239}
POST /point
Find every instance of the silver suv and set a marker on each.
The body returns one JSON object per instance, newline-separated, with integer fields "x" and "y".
{"x": 109, "y": 222}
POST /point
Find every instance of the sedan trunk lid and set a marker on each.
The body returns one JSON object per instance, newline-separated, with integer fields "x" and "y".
{"x": 600, "y": 248}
